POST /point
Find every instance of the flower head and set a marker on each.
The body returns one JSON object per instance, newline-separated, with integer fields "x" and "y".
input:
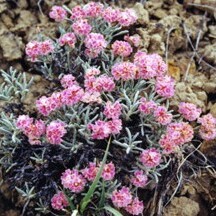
{"x": 108, "y": 172}
{"x": 162, "y": 115}
{"x": 59, "y": 201}
{"x": 55, "y": 131}
{"x": 121, "y": 48}
{"x": 124, "y": 70}
{"x": 165, "y": 86}
{"x": 189, "y": 111}
{"x": 58, "y": 13}
{"x": 93, "y": 9}
{"x": 147, "y": 107}
{"x": 112, "y": 110}
{"x": 71, "y": 179}
{"x": 100, "y": 130}
{"x": 139, "y": 179}
{"x": 68, "y": 81}
{"x": 81, "y": 27}
{"x": 77, "y": 13}
{"x": 136, "y": 207}
{"x": 90, "y": 172}
{"x": 95, "y": 43}
{"x": 127, "y": 17}
{"x": 150, "y": 157}
{"x": 68, "y": 39}
{"x": 121, "y": 198}
{"x": 110, "y": 14}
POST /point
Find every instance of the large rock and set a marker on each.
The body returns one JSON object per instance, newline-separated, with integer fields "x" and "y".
{"x": 182, "y": 206}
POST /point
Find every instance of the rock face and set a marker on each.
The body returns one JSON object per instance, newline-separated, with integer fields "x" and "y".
{"x": 182, "y": 206}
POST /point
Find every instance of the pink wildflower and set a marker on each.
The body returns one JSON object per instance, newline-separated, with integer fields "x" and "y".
{"x": 91, "y": 97}
{"x": 46, "y": 47}
{"x": 121, "y": 48}
{"x": 162, "y": 115}
{"x": 59, "y": 201}
{"x": 72, "y": 95}
{"x": 124, "y": 70}
{"x": 46, "y": 105}
{"x": 23, "y": 122}
{"x": 115, "y": 126}
{"x": 34, "y": 49}
{"x": 180, "y": 132}
{"x": 139, "y": 179}
{"x": 77, "y": 13}
{"x": 55, "y": 131}
{"x": 93, "y": 9}
{"x": 67, "y": 81}
{"x": 121, "y": 198}
{"x": 90, "y": 172}
{"x": 100, "y": 130}
{"x": 110, "y": 14}
{"x": 207, "y": 129}
{"x": 127, "y": 17}
{"x": 134, "y": 39}
{"x": 68, "y": 39}
{"x": 136, "y": 207}
{"x": 150, "y": 157}
{"x": 112, "y": 111}
{"x": 81, "y": 27}
{"x": 108, "y": 171}
{"x": 71, "y": 179}
{"x": 58, "y": 13}
{"x": 106, "y": 83}
{"x": 91, "y": 72}
{"x": 167, "y": 144}
{"x": 165, "y": 86}
{"x": 147, "y": 107}
{"x": 95, "y": 43}
{"x": 189, "y": 111}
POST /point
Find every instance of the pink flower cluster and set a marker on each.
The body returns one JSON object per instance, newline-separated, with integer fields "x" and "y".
{"x": 76, "y": 180}
{"x": 207, "y": 129}
{"x": 68, "y": 39}
{"x": 91, "y": 171}
{"x": 123, "y": 199}
{"x": 149, "y": 66}
{"x": 33, "y": 130}
{"x": 81, "y": 27}
{"x": 102, "y": 129}
{"x": 139, "y": 179}
{"x": 150, "y": 157}
{"x": 55, "y": 131}
{"x": 110, "y": 14}
{"x": 95, "y": 43}
{"x": 112, "y": 110}
{"x": 59, "y": 201}
{"x": 160, "y": 113}
{"x": 71, "y": 95}
{"x": 35, "y": 49}
{"x": 68, "y": 81}
{"x": 121, "y": 48}
{"x": 73, "y": 180}
{"x": 147, "y": 107}
{"x": 127, "y": 17}
{"x": 58, "y": 13}
{"x": 162, "y": 116}
{"x": 189, "y": 111}
{"x": 176, "y": 134}
{"x": 124, "y": 70}
{"x": 165, "y": 86}
{"x": 99, "y": 84}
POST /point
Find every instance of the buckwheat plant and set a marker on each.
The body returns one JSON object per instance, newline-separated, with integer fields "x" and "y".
{"x": 106, "y": 135}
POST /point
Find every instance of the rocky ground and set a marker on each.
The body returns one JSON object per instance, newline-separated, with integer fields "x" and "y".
{"x": 184, "y": 32}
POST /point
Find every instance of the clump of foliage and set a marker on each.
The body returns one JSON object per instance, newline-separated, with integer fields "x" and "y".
{"x": 106, "y": 135}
